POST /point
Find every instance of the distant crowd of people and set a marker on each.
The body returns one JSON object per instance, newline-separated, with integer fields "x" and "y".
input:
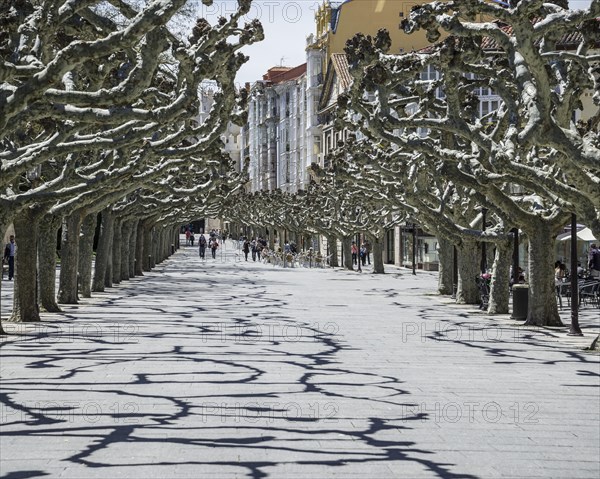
{"x": 212, "y": 243}
{"x": 561, "y": 273}
{"x": 255, "y": 246}
{"x": 258, "y": 246}
{"x": 362, "y": 254}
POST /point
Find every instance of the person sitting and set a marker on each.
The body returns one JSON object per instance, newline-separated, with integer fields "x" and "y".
{"x": 594, "y": 261}
{"x": 560, "y": 271}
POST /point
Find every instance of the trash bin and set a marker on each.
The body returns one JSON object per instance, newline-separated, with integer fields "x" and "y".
{"x": 520, "y": 301}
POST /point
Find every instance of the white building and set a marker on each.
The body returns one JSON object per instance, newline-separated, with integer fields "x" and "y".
{"x": 277, "y": 137}
{"x": 231, "y": 138}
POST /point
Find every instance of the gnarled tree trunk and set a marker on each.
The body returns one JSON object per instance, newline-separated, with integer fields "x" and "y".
{"x": 5, "y": 220}
{"x": 49, "y": 225}
{"x": 116, "y": 252}
{"x": 271, "y": 236}
{"x": 153, "y": 247}
{"x": 103, "y": 250}
{"x": 377, "y": 243}
{"x": 69, "y": 258}
{"x": 132, "y": 248}
{"x": 446, "y": 265}
{"x": 333, "y": 251}
{"x": 86, "y": 252}
{"x": 140, "y": 249}
{"x": 542, "y": 309}
{"x": 125, "y": 237}
{"x": 499, "y": 292}
{"x": 347, "y": 252}
{"x": 469, "y": 259}
{"x": 25, "y": 301}
{"x": 147, "y": 260}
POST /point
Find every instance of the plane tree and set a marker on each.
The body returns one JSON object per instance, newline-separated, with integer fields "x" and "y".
{"x": 504, "y": 155}
{"x": 109, "y": 105}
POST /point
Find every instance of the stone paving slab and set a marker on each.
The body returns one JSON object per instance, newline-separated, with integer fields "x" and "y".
{"x": 242, "y": 370}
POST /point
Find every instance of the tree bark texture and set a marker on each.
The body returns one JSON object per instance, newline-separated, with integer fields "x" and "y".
{"x": 103, "y": 250}
{"x": 500, "y": 284}
{"x": 116, "y": 252}
{"x": 5, "y": 220}
{"x": 542, "y": 309}
{"x": 132, "y": 247}
{"x": 86, "y": 253}
{"x": 469, "y": 258}
{"x": 153, "y": 247}
{"x": 49, "y": 225}
{"x": 140, "y": 249}
{"x": 377, "y": 243}
{"x": 333, "y": 251}
{"x": 25, "y": 300}
{"x": 347, "y": 252}
{"x": 69, "y": 258}
{"x": 271, "y": 237}
{"x": 147, "y": 260}
{"x": 125, "y": 235}
{"x": 445, "y": 255}
{"x": 161, "y": 245}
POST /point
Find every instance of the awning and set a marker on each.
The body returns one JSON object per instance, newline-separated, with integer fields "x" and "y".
{"x": 584, "y": 234}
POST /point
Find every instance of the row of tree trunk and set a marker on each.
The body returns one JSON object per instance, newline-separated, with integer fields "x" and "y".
{"x": 542, "y": 307}
{"x": 126, "y": 247}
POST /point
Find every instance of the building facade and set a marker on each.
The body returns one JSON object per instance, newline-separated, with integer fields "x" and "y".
{"x": 231, "y": 144}
{"x": 275, "y": 137}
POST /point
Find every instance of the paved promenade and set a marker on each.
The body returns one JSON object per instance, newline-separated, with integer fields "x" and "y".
{"x": 242, "y": 370}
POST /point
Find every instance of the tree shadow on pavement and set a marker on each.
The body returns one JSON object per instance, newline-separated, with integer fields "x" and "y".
{"x": 201, "y": 376}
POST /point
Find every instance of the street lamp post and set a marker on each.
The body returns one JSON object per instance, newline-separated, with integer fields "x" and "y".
{"x": 414, "y": 249}
{"x": 454, "y": 271}
{"x": 574, "y": 330}
{"x": 515, "y": 257}
{"x": 359, "y": 270}
{"x": 483, "y": 245}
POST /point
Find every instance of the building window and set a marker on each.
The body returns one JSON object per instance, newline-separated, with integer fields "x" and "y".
{"x": 429, "y": 73}
{"x": 488, "y": 106}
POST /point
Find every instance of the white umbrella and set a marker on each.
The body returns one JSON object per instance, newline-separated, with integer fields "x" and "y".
{"x": 584, "y": 234}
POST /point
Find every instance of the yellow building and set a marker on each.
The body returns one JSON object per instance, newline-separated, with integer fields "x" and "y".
{"x": 337, "y": 22}
{"x": 327, "y": 68}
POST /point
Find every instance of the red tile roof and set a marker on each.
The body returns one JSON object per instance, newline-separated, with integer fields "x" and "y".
{"x": 281, "y": 74}
{"x": 340, "y": 63}
{"x": 567, "y": 42}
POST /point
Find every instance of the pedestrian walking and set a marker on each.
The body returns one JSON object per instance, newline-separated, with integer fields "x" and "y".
{"x": 187, "y": 237}
{"x": 253, "y": 249}
{"x": 202, "y": 246}
{"x": 246, "y": 248}
{"x": 368, "y": 247}
{"x": 192, "y": 238}
{"x": 259, "y": 248}
{"x": 9, "y": 256}
{"x": 354, "y": 250}
{"x": 213, "y": 248}
{"x": 363, "y": 255}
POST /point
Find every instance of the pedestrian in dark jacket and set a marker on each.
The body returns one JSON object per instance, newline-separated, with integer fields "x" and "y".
{"x": 9, "y": 256}
{"x": 246, "y": 248}
{"x": 202, "y": 246}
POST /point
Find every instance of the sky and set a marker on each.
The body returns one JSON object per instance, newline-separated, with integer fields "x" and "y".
{"x": 286, "y": 23}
